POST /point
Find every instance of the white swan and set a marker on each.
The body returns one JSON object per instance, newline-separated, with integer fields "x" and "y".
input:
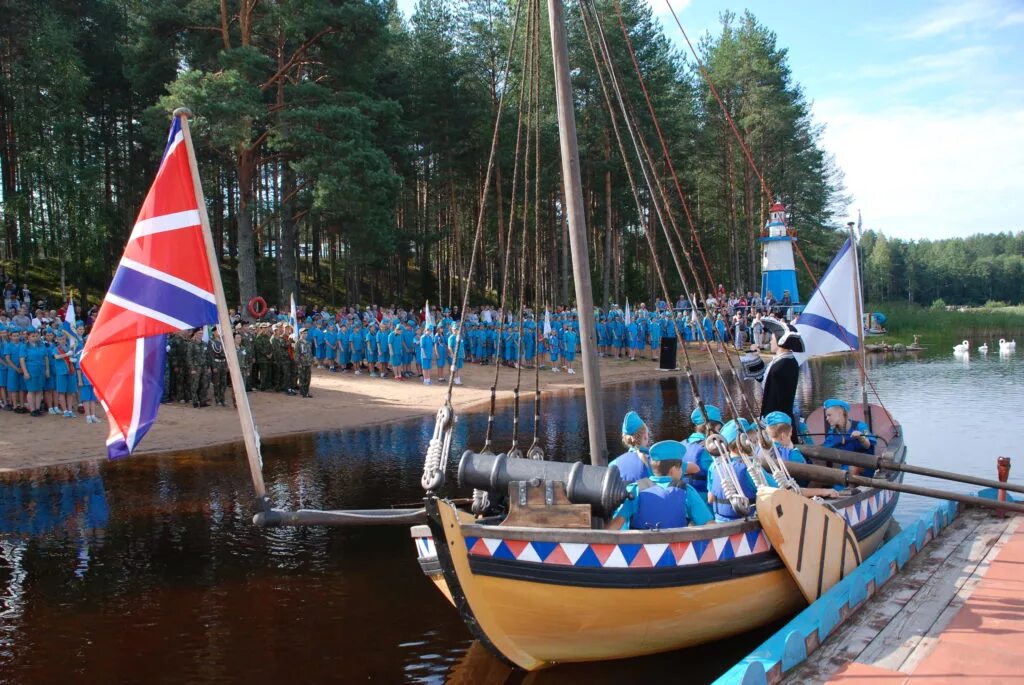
{"x": 1005, "y": 346}
{"x": 983, "y": 348}
{"x": 962, "y": 347}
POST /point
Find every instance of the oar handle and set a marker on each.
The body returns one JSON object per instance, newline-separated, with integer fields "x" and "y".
{"x": 871, "y": 461}
{"x": 823, "y": 474}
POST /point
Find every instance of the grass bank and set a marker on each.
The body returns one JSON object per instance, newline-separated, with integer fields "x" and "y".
{"x": 905, "y": 320}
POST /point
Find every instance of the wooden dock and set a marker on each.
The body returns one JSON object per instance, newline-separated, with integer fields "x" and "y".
{"x": 955, "y": 613}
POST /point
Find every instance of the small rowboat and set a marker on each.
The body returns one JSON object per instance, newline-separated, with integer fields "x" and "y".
{"x": 537, "y": 596}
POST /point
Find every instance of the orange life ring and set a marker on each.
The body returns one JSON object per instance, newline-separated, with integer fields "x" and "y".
{"x": 258, "y": 307}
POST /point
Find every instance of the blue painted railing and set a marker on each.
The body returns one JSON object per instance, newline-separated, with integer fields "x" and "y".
{"x": 788, "y": 648}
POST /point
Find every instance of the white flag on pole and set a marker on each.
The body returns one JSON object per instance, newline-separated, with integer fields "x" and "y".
{"x": 428, "y": 318}
{"x": 829, "y": 321}
{"x": 295, "y": 321}
{"x": 629, "y": 316}
{"x": 547, "y": 322}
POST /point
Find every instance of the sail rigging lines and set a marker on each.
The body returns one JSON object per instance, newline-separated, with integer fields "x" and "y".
{"x": 764, "y": 185}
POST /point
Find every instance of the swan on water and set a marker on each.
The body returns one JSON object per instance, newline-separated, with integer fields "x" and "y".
{"x": 962, "y": 347}
{"x": 1005, "y": 346}
{"x": 984, "y": 348}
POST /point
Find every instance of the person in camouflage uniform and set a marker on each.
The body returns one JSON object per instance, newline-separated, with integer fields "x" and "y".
{"x": 177, "y": 362}
{"x": 304, "y": 360}
{"x": 244, "y": 357}
{"x": 279, "y": 357}
{"x": 218, "y": 368}
{"x": 245, "y": 342}
{"x": 199, "y": 369}
{"x": 264, "y": 358}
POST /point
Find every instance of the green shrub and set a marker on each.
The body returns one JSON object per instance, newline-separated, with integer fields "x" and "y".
{"x": 939, "y": 304}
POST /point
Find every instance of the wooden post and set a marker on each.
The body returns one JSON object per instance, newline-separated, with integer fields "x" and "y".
{"x": 227, "y": 336}
{"x": 577, "y": 233}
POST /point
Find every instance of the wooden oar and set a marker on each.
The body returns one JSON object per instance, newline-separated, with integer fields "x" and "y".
{"x": 823, "y": 474}
{"x": 871, "y": 461}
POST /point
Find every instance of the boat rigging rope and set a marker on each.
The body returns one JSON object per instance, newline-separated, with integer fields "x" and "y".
{"x": 767, "y": 190}
{"x": 715, "y": 443}
{"x": 643, "y": 154}
{"x": 486, "y": 449}
{"x": 529, "y": 80}
{"x": 536, "y": 451}
{"x": 436, "y": 460}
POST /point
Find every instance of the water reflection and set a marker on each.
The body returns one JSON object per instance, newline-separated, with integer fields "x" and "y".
{"x": 149, "y": 570}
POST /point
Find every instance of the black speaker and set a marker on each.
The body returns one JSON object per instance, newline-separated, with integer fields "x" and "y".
{"x": 668, "y": 354}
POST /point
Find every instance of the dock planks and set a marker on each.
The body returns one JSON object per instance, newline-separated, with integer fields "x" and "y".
{"x": 899, "y": 627}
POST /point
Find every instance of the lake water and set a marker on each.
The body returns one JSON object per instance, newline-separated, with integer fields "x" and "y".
{"x": 148, "y": 570}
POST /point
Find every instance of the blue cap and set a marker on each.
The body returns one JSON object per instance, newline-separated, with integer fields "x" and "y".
{"x": 714, "y": 414}
{"x": 667, "y": 449}
{"x": 632, "y": 423}
{"x": 776, "y": 418}
{"x": 845, "y": 406}
{"x": 730, "y": 431}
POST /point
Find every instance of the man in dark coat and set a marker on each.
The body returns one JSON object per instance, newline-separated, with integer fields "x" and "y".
{"x": 782, "y": 375}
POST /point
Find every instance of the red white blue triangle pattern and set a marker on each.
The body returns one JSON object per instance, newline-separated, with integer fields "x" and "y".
{"x": 859, "y": 512}
{"x": 639, "y": 555}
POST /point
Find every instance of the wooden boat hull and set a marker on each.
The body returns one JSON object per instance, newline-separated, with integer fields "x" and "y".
{"x": 614, "y": 601}
{"x": 540, "y": 596}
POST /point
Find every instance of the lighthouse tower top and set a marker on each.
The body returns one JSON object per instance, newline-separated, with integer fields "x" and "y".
{"x": 776, "y": 226}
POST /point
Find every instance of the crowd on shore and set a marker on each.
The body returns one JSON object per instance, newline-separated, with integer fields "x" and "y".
{"x": 40, "y": 352}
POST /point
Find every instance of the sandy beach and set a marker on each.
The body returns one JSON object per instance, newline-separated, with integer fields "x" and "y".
{"x": 340, "y": 400}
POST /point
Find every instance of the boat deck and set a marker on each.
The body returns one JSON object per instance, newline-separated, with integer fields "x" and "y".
{"x": 955, "y": 614}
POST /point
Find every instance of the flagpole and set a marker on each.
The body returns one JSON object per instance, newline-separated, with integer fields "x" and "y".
{"x": 858, "y": 289}
{"x": 249, "y": 436}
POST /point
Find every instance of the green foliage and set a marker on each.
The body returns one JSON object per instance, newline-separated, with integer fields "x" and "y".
{"x": 935, "y": 323}
{"x": 939, "y": 304}
{"x": 963, "y": 271}
{"x": 344, "y": 148}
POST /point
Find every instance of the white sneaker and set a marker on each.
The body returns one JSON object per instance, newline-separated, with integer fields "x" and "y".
{"x": 572, "y": 371}
{"x": 458, "y": 381}
{"x": 426, "y": 381}
{"x": 554, "y": 370}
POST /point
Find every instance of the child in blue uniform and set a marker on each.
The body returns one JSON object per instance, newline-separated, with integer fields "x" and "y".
{"x": 633, "y": 463}
{"x": 458, "y": 354}
{"x": 696, "y": 454}
{"x": 720, "y": 504}
{"x": 35, "y": 367}
{"x": 441, "y": 352}
{"x": 553, "y": 345}
{"x": 15, "y": 374}
{"x": 426, "y": 353}
{"x": 357, "y": 344}
{"x": 568, "y": 349}
{"x": 65, "y": 381}
{"x": 846, "y": 434}
{"x": 658, "y": 502}
{"x": 85, "y": 391}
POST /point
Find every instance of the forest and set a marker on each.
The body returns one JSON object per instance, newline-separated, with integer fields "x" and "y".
{"x": 344, "y": 147}
{"x": 986, "y": 268}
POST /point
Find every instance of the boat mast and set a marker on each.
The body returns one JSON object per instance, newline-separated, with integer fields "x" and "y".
{"x": 859, "y": 296}
{"x": 577, "y": 233}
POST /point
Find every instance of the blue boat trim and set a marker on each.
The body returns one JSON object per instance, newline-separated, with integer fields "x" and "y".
{"x": 787, "y": 648}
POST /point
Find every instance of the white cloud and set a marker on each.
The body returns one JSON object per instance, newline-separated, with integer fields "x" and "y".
{"x": 960, "y": 16}
{"x": 919, "y": 172}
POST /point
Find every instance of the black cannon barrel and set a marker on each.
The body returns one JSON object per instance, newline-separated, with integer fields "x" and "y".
{"x": 599, "y": 486}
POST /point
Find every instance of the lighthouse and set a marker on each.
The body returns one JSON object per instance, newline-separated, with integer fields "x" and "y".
{"x": 778, "y": 271}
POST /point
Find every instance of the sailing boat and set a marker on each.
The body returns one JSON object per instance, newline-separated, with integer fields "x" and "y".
{"x": 539, "y": 585}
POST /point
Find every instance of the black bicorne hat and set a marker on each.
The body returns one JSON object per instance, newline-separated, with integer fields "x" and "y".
{"x": 786, "y": 334}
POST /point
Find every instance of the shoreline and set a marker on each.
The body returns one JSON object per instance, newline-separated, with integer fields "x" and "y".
{"x": 340, "y": 401}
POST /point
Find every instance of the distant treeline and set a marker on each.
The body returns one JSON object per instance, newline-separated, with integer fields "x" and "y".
{"x": 967, "y": 271}
{"x": 343, "y": 147}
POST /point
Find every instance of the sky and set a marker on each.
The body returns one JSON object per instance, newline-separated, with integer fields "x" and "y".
{"x": 922, "y": 102}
